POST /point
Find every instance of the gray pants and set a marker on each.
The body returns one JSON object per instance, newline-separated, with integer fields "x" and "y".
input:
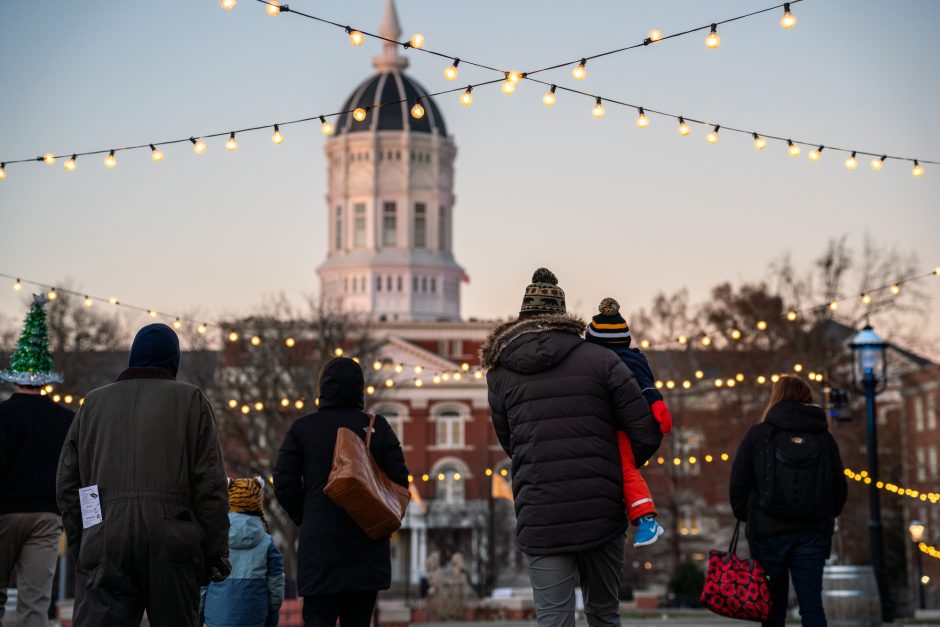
{"x": 553, "y": 580}
{"x": 29, "y": 545}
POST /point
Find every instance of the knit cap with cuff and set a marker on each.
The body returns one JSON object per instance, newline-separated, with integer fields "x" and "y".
{"x": 608, "y": 327}
{"x": 543, "y": 296}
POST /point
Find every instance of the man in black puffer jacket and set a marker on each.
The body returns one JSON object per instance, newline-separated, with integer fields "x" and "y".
{"x": 557, "y": 403}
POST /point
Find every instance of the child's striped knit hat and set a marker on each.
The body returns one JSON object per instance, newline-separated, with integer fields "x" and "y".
{"x": 244, "y": 497}
{"x": 608, "y": 327}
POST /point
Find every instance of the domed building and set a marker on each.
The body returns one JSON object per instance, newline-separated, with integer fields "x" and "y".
{"x": 391, "y": 199}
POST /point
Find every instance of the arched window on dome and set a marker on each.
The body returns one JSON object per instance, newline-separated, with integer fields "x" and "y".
{"x": 443, "y": 231}
{"x": 389, "y": 225}
{"x": 359, "y": 225}
{"x": 421, "y": 225}
{"x": 338, "y": 242}
{"x": 450, "y": 476}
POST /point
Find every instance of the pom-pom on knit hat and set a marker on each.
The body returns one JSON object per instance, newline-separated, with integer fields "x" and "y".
{"x": 543, "y": 296}
{"x": 608, "y": 327}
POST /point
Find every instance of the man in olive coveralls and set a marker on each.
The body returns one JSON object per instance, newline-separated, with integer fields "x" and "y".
{"x": 149, "y": 444}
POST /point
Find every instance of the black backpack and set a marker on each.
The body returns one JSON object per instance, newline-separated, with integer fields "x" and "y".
{"x": 795, "y": 476}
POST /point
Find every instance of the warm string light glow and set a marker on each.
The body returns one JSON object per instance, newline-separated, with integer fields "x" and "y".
{"x": 580, "y": 71}
{"x": 417, "y": 111}
{"x": 277, "y": 136}
{"x": 864, "y": 477}
{"x": 155, "y": 153}
{"x": 325, "y": 126}
{"x": 712, "y": 137}
{"x": 684, "y": 128}
{"x": 792, "y": 149}
{"x": 466, "y": 98}
{"x": 231, "y": 144}
{"x": 713, "y": 40}
{"x": 787, "y": 20}
{"x": 706, "y": 339}
{"x": 642, "y": 120}
{"x": 451, "y": 72}
{"x": 550, "y": 97}
{"x": 759, "y": 142}
{"x": 110, "y": 161}
{"x": 598, "y": 110}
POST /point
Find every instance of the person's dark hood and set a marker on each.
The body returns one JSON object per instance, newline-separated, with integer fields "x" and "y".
{"x": 342, "y": 384}
{"x": 531, "y": 345}
{"x": 796, "y": 416}
{"x": 156, "y": 346}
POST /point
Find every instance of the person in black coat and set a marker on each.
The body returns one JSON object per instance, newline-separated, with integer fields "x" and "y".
{"x": 339, "y": 569}
{"x": 788, "y": 484}
{"x": 557, "y": 403}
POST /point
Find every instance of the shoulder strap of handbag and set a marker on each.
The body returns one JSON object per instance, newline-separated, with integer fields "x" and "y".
{"x": 369, "y": 430}
{"x": 733, "y": 549}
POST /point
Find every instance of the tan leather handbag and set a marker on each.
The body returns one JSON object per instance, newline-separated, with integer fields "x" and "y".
{"x": 361, "y": 489}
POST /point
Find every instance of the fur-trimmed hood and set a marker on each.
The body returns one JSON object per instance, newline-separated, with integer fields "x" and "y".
{"x": 530, "y": 345}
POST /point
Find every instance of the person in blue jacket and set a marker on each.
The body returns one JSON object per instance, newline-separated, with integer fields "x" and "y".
{"x": 253, "y": 593}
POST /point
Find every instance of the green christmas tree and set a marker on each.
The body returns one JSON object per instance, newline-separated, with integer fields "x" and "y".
{"x": 31, "y": 363}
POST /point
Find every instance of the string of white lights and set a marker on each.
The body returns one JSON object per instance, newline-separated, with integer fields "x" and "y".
{"x": 509, "y": 82}
{"x": 704, "y": 338}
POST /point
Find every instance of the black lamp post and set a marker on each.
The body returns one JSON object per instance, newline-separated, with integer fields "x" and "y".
{"x": 870, "y": 375}
{"x": 916, "y": 529}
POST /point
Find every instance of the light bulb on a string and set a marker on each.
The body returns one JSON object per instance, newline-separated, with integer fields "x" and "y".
{"x": 550, "y": 97}
{"x": 815, "y": 153}
{"x": 272, "y": 7}
{"x": 255, "y": 340}
{"x": 451, "y": 72}
{"x": 277, "y": 136}
{"x": 417, "y": 41}
{"x": 713, "y": 40}
{"x": 580, "y": 72}
{"x": 110, "y": 161}
{"x": 155, "y": 153}
{"x": 201, "y": 329}
{"x": 48, "y": 158}
{"x": 113, "y": 300}
{"x": 52, "y": 295}
{"x": 88, "y": 301}
{"x": 895, "y": 289}
{"x": 917, "y": 171}
{"x": 787, "y": 20}
{"x": 792, "y": 315}
{"x": 3, "y": 171}
{"x": 233, "y": 336}
{"x": 417, "y": 111}
{"x": 706, "y": 341}
{"x": 866, "y": 299}
{"x": 228, "y": 5}
{"x": 355, "y": 37}
{"x": 759, "y": 142}
{"x": 851, "y": 163}
{"x": 508, "y": 87}
{"x": 290, "y": 342}
{"x": 878, "y": 162}
{"x": 231, "y": 144}
{"x": 199, "y": 146}
{"x": 834, "y": 305}
{"x": 762, "y": 325}
{"x": 642, "y": 120}
{"x": 359, "y": 114}
{"x": 598, "y": 110}
{"x": 17, "y": 285}
{"x": 684, "y": 128}
{"x": 792, "y": 149}
{"x": 466, "y": 98}
{"x": 325, "y": 127}
{"x": 735, "y": 334}
{"x": 712, "y": 136}
{"x": 514, "y": 76}
{"x": 177, "y": 323}
{"x": 70, "y": 163}
{"x": 654, "y": 36}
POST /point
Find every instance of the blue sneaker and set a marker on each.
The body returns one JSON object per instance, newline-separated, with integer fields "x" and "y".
{"x": 647, "y": 532}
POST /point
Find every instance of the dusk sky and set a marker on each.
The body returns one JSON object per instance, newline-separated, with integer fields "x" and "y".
{"x": 613, "y": 210}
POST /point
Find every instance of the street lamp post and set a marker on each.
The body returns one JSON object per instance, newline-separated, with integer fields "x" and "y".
{"x": 916, "y": 529}
{"x": 870, "y": 374}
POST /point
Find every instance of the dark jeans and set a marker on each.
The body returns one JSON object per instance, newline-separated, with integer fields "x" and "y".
{"x": 353, "y": 609}
{"x": 801, "y": 556}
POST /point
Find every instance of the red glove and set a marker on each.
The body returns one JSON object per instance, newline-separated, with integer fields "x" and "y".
{"x": 662, "y": 416}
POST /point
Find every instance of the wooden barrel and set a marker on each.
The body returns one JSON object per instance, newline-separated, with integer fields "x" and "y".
{"x": 850, "y": 596}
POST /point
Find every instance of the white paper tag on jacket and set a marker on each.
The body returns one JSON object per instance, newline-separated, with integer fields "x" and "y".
{"x": 91, "y": 506}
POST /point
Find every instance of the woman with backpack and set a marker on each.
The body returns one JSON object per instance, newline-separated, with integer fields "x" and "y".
{"x": 788, "y": 485}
